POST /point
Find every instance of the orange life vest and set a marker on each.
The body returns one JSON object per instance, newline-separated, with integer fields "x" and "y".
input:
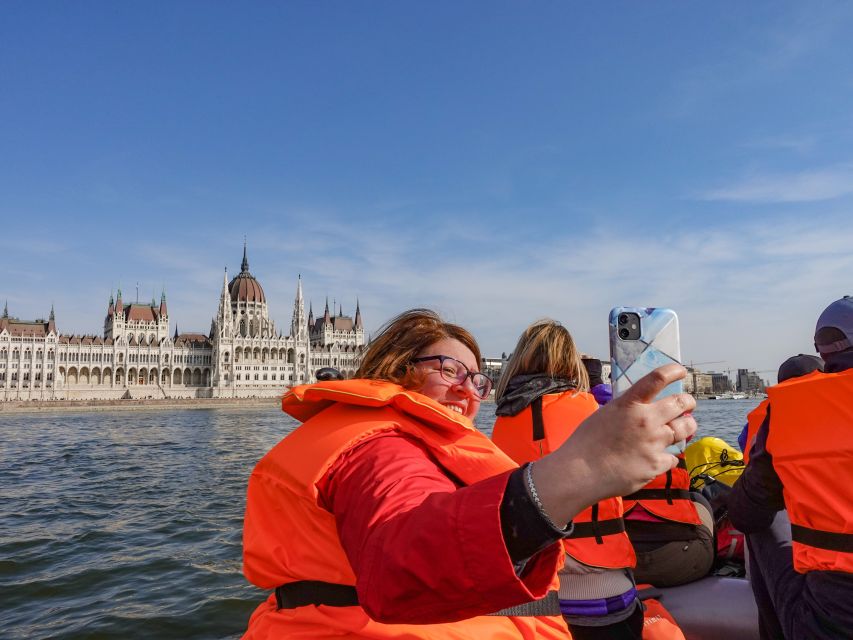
{"x": 667, "y": 496}
{"x": 811, "y": 442}
{"x": 288, "y": 537}
{"x": 755, "y": 418}
{"x": 599, "y": 537}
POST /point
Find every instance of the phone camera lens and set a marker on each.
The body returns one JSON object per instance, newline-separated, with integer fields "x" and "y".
{"x": 623, "y": 319}
{"x": 623, "y": 333}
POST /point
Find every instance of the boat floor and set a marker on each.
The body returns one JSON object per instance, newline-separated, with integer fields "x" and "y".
{"x": 713, "y": 608}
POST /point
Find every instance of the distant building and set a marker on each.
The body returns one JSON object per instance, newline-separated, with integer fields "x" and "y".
{"x": 493, "y": 367}
{"x": 243, "y": 355}
{"x": 749, "y": 382}
{"x": 720, "y": 382}
{"x": 706, "y": 383}
{"x": 605, "y": 371}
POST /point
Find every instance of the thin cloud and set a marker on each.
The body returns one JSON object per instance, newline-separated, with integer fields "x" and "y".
{"x": 802, "y": 145}
{"x": 805, "y": 186}
{"x": 797, "y": 35}
{"x": 747, "y": 293}
{"x": 34, "y": 246}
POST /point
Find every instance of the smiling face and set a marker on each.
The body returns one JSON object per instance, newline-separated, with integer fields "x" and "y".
{"x": 461, "y": 398}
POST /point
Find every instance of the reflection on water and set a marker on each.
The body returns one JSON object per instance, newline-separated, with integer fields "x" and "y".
{"x": 116, "y": 524}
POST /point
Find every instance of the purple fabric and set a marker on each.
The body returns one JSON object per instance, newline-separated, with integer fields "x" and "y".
{"x": 598, "y": 607}
{"x": 603, "y": 393}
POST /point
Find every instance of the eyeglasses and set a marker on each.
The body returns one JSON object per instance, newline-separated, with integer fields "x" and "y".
{"x": 454, "y": 371}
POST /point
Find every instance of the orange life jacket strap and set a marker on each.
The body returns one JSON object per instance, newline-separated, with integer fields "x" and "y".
{"x": 658, "y": 494}
{"x": 597, "y": 529}
{"x": 828, "y": 540}
{"x": 314, "y": 592}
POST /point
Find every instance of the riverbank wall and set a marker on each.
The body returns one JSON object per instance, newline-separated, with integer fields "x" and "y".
{"x": 129, "y": 404}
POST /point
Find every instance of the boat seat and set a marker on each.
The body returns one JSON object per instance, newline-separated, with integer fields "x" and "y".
{"x": 713, "y": 608}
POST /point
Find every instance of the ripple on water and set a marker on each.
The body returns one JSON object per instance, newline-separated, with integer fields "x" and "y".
{"x": 117, "y": 524}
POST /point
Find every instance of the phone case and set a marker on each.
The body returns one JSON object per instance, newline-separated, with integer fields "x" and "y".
{"x": 658, "y": 345}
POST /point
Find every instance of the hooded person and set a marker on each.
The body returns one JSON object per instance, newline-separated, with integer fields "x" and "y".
{"x": 794, "y": 500}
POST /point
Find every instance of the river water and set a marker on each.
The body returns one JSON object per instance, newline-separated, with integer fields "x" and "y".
{"x": 128, "y": 524}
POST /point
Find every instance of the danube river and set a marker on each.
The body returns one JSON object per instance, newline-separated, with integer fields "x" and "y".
{"x": 128, "y": 524}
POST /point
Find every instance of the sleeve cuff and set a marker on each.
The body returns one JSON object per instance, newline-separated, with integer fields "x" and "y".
{"x": 526, "y": 531}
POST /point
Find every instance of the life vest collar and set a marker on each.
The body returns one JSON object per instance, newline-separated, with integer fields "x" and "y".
{"x": 305, "y": 401}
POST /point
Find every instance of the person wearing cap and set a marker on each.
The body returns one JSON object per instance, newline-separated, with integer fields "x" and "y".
{"x": 794, "y": 367}
{"x": 795, "y": 498}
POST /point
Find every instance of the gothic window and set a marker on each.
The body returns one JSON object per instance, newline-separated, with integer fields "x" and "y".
{"x": 141, "y": 338}
{"x": 50, "y": 377}
{"x": 226, "y": 357}
{"x": 151, "y": 338}
{"x": 130, "y": 337}
{"x": 243, "y": 327}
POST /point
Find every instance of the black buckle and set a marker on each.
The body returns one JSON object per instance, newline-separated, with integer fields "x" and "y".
{"x": 304, "y": 592}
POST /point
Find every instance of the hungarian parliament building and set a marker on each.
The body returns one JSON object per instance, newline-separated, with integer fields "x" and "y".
{"x": 138, "y": 357}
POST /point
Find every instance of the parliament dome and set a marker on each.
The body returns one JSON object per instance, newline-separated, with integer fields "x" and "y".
{"x": 244, "y": 287}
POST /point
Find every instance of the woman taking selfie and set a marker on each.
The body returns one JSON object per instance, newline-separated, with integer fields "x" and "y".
{"x": 386, "y": 514}
{"x": 542, "y": 397}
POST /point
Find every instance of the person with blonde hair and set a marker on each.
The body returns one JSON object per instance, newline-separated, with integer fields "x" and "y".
{"x": 542, "y": 398}
{"x": 387, "y": 514}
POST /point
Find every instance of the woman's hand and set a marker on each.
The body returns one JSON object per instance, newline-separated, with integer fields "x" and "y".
{"x": 618, "y": 449}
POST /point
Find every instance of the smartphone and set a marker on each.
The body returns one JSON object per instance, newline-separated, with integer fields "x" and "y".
{"x": 641, "y": 340}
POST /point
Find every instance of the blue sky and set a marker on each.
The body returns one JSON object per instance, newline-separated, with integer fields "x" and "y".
{"x": 496, "y": 161}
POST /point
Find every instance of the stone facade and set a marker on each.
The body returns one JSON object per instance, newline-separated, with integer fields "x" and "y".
{"x": 242, "y": 356}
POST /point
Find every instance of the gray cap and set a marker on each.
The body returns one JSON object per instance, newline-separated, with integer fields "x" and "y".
{"x": 838, "y": 315}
